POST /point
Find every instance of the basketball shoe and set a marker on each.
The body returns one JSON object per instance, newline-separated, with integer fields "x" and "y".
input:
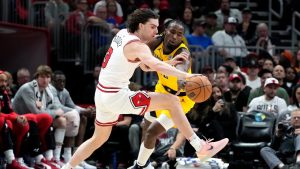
{"x": 209, "y": 149}
{"x": 146, "y": 166}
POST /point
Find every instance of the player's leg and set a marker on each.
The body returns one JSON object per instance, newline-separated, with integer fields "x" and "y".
{"x": 100, "y": 136}
{"x": 204, "y": 149}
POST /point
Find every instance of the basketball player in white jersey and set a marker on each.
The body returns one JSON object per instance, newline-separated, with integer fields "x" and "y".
{"x": 127, "y": 52}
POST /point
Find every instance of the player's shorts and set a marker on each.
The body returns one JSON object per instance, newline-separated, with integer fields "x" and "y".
{"x": 186, "y": 102}
{"x": 111, "y": 102}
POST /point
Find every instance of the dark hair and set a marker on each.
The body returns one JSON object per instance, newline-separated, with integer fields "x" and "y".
{"x": 263, "y": 71}
{"x": 294, "y": 98}
{"x": 175, "y": 21}
{"x": 139, "y": 16}
{"x": 43, "y": 70}
{"x": 57, "y": 72}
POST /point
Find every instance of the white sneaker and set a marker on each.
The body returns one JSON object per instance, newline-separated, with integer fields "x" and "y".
{"x": 165, "y": 165}
{"x": 86, "y": 165}
{"x": 147, "y": 166}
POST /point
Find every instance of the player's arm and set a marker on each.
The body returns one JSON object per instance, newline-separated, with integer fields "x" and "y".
{"x": 184, "y": 65}
{"x": 141, "y": 51}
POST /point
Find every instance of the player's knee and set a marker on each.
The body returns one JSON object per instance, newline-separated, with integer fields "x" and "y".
{"x": 151, "y": 134}
{"x": 60, "y": 122}
{"x": 73, "y": 122}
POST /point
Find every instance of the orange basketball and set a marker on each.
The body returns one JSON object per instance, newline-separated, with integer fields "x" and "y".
{"x": 198, "y": 88}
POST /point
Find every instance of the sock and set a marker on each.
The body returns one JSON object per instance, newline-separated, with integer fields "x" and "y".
{"x": 144, "y": 155}
{"x": 68, "y": 166}
{"x": 57, "y": 152}
{"x": 49, "y": 155}
{"x": 196, "y": 142}
{"x": 9, "y": 156}
{"x": 39, "y": 157}
{"x": 67, "y": 154}
{"x": 59, "y": 136}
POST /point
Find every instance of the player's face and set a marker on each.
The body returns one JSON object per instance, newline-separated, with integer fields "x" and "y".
{"x": 174, "y": 35}
{"x": 3, "y": 81}
{"x": 43, "y": 81}
{"x": 59, "y": 82}
{"x": 149, "y": 29}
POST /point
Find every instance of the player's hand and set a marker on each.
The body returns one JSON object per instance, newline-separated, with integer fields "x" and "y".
{"x": 22, "y": 120}
{"x": 191, "y": 75}
{"x": 181, "y": 85}
{"x": 180, "y": 58}
{"x": 171, "y": 153}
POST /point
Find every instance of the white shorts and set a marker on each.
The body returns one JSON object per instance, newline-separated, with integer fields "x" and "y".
{"x": 124, "y": 101}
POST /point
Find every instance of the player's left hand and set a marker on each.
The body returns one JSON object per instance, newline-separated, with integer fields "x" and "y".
{"x": 180, "y": 58}
{"x": 171, "y": 153}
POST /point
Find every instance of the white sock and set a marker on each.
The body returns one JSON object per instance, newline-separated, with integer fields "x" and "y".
{"x": 9, "y": 156}
{"x": 59, "y": 136}
{"x": 67, "y": 166}
{"x": 57, "y": 152}
{"x": 195, "y": 141}
{"x": 67, "y": 154}
{"x": 144, "y": 155}
{"x": 39, "y": 157}
{"x": 49, "y": 154}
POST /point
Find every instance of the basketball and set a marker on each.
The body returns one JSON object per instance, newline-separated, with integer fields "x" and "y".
{"x": 198, "y": 88}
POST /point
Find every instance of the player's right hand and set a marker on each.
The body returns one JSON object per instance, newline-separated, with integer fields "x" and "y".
{"x": 180, "y": 58}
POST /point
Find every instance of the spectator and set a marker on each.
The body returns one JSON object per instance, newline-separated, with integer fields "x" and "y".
{"x": 229, "y": 38}
{"x": 264, "y": 74}
{"x": 211, "y": 26}
{"x": 10, "y": 83}
{"x": 295, "y": 99}
{"x": 89, "y": 90}
{"x": 36, "y": 127}
{"x": 285, "y": 144}
{"x": 59, "y": 81}
{"x": 225, "y": 12}
{"x": 56, "y": 12}
{"x": 210, "y": 73}
{"x": 269, "y": 102}
{"x": 198, "y": 36}
{"x": 247, "y": 28}
{"x": 238, "y": 91}
{"x": 104, "y": 3}
{"x": 222, "y": 81}
{"x": 296, "y": 62}
{"x": 252, "y": 80}
{"x": 279, "y": 74}
{"x": 23, "y": 76}
{"x": 291, "y": 80}
{"x": 112, "y": 16}
{"x": 37, "y": 97}
{"x": 187, "y": 19}
{"x": 268, "y": 64}
{"x": 263, "y": 40}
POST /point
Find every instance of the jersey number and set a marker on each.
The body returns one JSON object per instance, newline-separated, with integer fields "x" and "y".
{"x": 107, "y": 57}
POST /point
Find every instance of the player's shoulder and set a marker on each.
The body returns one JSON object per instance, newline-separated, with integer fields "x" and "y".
{"x": 155, "y": 42}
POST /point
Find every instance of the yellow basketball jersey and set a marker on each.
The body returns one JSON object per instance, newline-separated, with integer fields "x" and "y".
{"x": 169, "y": 81}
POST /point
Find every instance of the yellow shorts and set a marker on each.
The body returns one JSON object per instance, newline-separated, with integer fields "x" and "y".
{"x": 186, "y": 102}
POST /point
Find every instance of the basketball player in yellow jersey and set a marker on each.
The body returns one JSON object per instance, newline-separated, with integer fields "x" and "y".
{"x": 165, "y": 47}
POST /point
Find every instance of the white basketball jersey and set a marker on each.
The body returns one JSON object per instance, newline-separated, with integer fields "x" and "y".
{"x": 116, "y": 68}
